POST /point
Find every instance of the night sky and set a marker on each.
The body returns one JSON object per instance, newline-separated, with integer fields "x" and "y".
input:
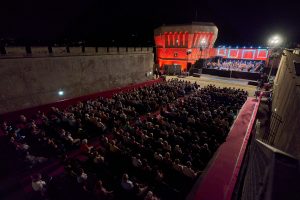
{"x": 131, "y": 23}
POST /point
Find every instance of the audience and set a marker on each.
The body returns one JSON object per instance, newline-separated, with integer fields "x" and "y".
{"x": 147, "y": 132}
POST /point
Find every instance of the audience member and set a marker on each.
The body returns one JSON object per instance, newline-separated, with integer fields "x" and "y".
{"x": 38, "y": 184}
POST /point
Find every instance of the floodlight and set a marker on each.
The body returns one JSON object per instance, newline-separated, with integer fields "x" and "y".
{"x": 60, "y": 92}
{"x": 275, "y": 41}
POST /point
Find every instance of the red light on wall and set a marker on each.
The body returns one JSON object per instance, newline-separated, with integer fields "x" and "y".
{"x": 262, "y": 53}
{"x": 233, "y": 53}
{"x": 248, "y": 54}
{"x": 221, "y": 52}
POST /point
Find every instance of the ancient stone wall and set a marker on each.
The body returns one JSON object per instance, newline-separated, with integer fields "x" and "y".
{"x": 28, "y": 81}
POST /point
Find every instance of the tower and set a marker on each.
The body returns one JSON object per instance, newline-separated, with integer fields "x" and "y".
{"x": 184, "y": 44}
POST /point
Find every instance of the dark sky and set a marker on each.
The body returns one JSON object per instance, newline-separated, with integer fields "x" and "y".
{"x": 120, "y": 23}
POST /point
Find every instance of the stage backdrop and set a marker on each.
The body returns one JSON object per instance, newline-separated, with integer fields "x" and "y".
{"x": 244, "y": 54}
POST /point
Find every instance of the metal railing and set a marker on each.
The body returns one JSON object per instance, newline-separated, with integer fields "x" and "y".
{"x": 270, "y": 134}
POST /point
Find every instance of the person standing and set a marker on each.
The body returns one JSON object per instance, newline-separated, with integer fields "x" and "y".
{"x": 156, "y": 73}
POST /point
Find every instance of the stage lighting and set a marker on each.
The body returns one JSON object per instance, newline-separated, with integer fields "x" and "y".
{"x": 259, "y": 47}
{"x": 203, "y": 42}
{"x": 251, "y": 47}
{"x": 60, "y": 92}
{"x": 275, "y": 41}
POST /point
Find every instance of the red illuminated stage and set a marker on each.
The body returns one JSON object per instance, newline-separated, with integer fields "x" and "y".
{"x": 237, "y": 63}
{"x": 178, "y": 47}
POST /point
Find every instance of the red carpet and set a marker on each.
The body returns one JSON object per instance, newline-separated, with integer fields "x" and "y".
{"x": 219, "y": 181}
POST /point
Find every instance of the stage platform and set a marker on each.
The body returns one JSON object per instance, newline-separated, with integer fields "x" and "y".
{"x": 232, "y": 74}
{"x": 205, "y": 80}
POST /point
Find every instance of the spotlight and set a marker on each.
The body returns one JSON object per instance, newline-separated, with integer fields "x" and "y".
{"x": 203, "y": 42}
{"x": 275, "y": 41}
{"x": 60, "y": 92}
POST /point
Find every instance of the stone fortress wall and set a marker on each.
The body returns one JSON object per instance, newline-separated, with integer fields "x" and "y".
{"x": 29, "y": 80}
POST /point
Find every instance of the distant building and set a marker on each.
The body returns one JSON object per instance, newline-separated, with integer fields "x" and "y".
{"x": 184, "y": 44}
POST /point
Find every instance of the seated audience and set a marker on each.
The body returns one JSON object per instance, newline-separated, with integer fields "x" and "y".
{"x": 148, "y": 132}
{"x": 126, "y": 183}
{"x": 84, "y": 147}
{"x": 188, "y": 171}
{"x": 38, "y": 184}
{"x": 101, "y": 192}
{"x": 151, "y": 196}
{"x": 134, "y": 187}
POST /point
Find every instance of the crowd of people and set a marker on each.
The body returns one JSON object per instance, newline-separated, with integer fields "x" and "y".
{"x": 146, "y": 143}
{"x": 236, "y": 65}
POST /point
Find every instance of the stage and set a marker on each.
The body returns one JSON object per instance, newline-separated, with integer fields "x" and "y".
{"x": 232, "y": 74}
{"x": 205, "y": 80}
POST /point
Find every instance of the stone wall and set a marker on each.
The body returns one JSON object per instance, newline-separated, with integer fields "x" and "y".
{"x": 32, "y": 81}
{"x": 62, "y": 51}
{"x": 285, "y": 120}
